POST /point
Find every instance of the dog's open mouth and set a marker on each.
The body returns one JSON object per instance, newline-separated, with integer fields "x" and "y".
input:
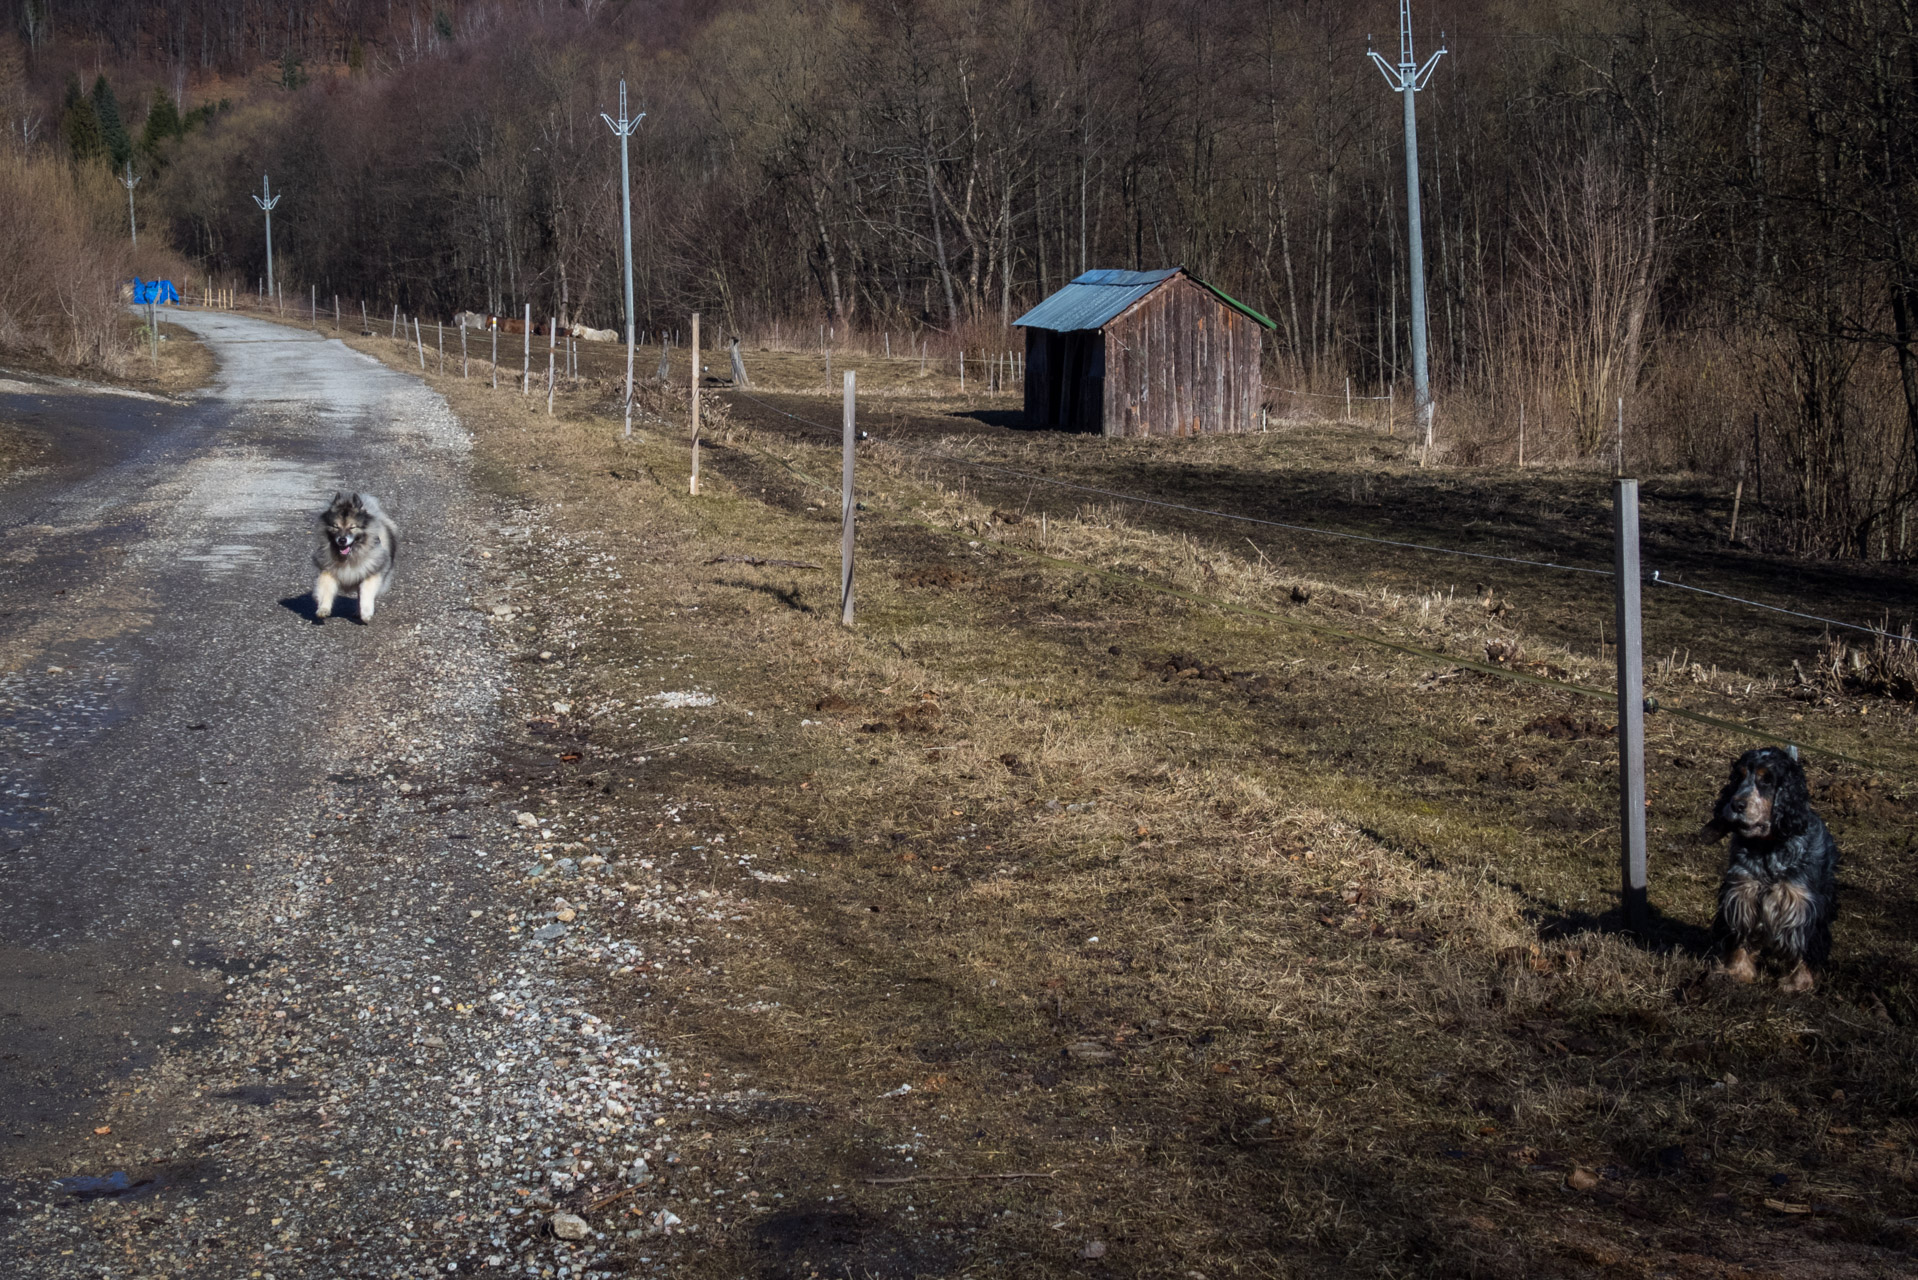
{"x": 343, "y": 545}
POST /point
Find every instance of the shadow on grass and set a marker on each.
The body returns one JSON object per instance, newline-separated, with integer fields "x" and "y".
{"x": 788, "y": 598}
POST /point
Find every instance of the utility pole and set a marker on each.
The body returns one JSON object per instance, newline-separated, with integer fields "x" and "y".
{"x": 1407, "y": 79}
{"x": 266, "y": 202}
{"x": 130, "y": 182}
{"x": 624, "y": 127}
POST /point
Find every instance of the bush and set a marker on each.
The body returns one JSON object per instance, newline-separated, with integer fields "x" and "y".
{"x": 63, "y": 238}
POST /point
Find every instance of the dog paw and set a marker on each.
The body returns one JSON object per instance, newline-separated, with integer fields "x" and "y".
{"x": 1798, "y": 981}
{"x": 1739, "y": 968}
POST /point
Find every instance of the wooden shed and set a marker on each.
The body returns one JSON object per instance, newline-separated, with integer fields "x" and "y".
{"x": 1143, "y": 353}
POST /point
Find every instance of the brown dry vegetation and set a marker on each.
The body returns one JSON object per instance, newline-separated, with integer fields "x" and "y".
{"x": 63, "y": 238}
{"x": 1211, "y": 938}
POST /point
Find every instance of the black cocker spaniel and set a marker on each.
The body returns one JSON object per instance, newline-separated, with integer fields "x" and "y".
{"x": 1780, "y": 889}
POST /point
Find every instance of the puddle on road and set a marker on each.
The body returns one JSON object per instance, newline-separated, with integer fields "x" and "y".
{"x": 120, "y": 1184}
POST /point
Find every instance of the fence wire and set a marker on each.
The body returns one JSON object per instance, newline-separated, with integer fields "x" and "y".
{"x": 1656, "y": 575}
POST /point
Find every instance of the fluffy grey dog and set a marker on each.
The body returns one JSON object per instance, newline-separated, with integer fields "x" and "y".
{"x": 355, "y": 555}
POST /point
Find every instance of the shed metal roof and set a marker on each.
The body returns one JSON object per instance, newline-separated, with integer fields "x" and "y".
{"x": 1096, "y": 298}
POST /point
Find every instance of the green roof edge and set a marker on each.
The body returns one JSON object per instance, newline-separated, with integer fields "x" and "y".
{"x": 1231, "y": 301}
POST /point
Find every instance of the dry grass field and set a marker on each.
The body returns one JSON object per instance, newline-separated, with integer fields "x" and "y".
{"x": 1136, "y": 893}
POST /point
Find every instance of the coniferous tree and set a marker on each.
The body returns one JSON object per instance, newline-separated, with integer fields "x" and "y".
{"x": 80, "y": 125}
{"x": 113, "y": 130}
{"x": 163, "y": 124}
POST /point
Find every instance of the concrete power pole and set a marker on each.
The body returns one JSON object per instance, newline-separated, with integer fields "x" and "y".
{"x": 130, "y": 182}
{"x": 266, "y": 203}
{"x": 1407, "y": 79}
{"x": 624, "y": 127}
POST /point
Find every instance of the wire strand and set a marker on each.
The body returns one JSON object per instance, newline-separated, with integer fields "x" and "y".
{"x": 1203, "y": 511}
{"x": 1323, "y": 395}
{"x": 1772, "y": 608}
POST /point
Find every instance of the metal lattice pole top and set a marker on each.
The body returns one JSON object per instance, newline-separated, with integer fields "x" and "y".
{"x": 130, "y": 182}
{"x": 266, "y": 200}
{"x": 624, "y": 127}
{"x": 1406, "y": 79}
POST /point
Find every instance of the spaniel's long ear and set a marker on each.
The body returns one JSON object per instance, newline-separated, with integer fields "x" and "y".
{"x": 1791, "y": 803}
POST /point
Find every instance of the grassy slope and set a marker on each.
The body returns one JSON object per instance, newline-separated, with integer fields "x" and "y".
{"x": 1300, "y": 971}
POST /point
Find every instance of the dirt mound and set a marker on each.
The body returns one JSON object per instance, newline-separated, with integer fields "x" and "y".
{"x": 939, "y": 577}
{"x": 1564, "y": 727}
{"x": 922, "y": 716}
{"x": 1185, "y": 666}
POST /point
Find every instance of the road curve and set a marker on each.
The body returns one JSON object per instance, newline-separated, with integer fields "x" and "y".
{"x": 213, "y": 807}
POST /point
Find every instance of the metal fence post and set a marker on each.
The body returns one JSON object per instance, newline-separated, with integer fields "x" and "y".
{"x": 846, "y": 507}
{"x": 695, "y": 403}
{"x": 1631, "y": 705}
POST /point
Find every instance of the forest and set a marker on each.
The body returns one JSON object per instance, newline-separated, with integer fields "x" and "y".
{"x": 1676, "y": 231}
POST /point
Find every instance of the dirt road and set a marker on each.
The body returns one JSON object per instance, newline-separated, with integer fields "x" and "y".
{"x": 258, "y": 1010}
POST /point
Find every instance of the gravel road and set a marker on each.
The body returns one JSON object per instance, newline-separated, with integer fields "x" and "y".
{"x": 276, "y": 995}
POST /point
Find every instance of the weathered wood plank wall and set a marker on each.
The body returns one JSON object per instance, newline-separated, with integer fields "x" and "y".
{"x": 1180, "y": 362}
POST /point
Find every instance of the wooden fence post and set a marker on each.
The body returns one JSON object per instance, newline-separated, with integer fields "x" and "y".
{"x": 495, "y": 328}
{"x": 395, "y": 334}
{"x": 695, "y": 409}
{"x": 419, "y": 343}
{"x": 846, "y": 507}
{"x": 526, "y": 355}
{"x": 463, "y": 373}
{"x": 313, "y": 306}
{"x": 336, "y": 313}
{"x": 1631, "y": 705}
{"x": 439, "y": 328}
{"x": 1738, "y": 496}
{"x": 365, "y": 325}
{"x": 552, "y": 336}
